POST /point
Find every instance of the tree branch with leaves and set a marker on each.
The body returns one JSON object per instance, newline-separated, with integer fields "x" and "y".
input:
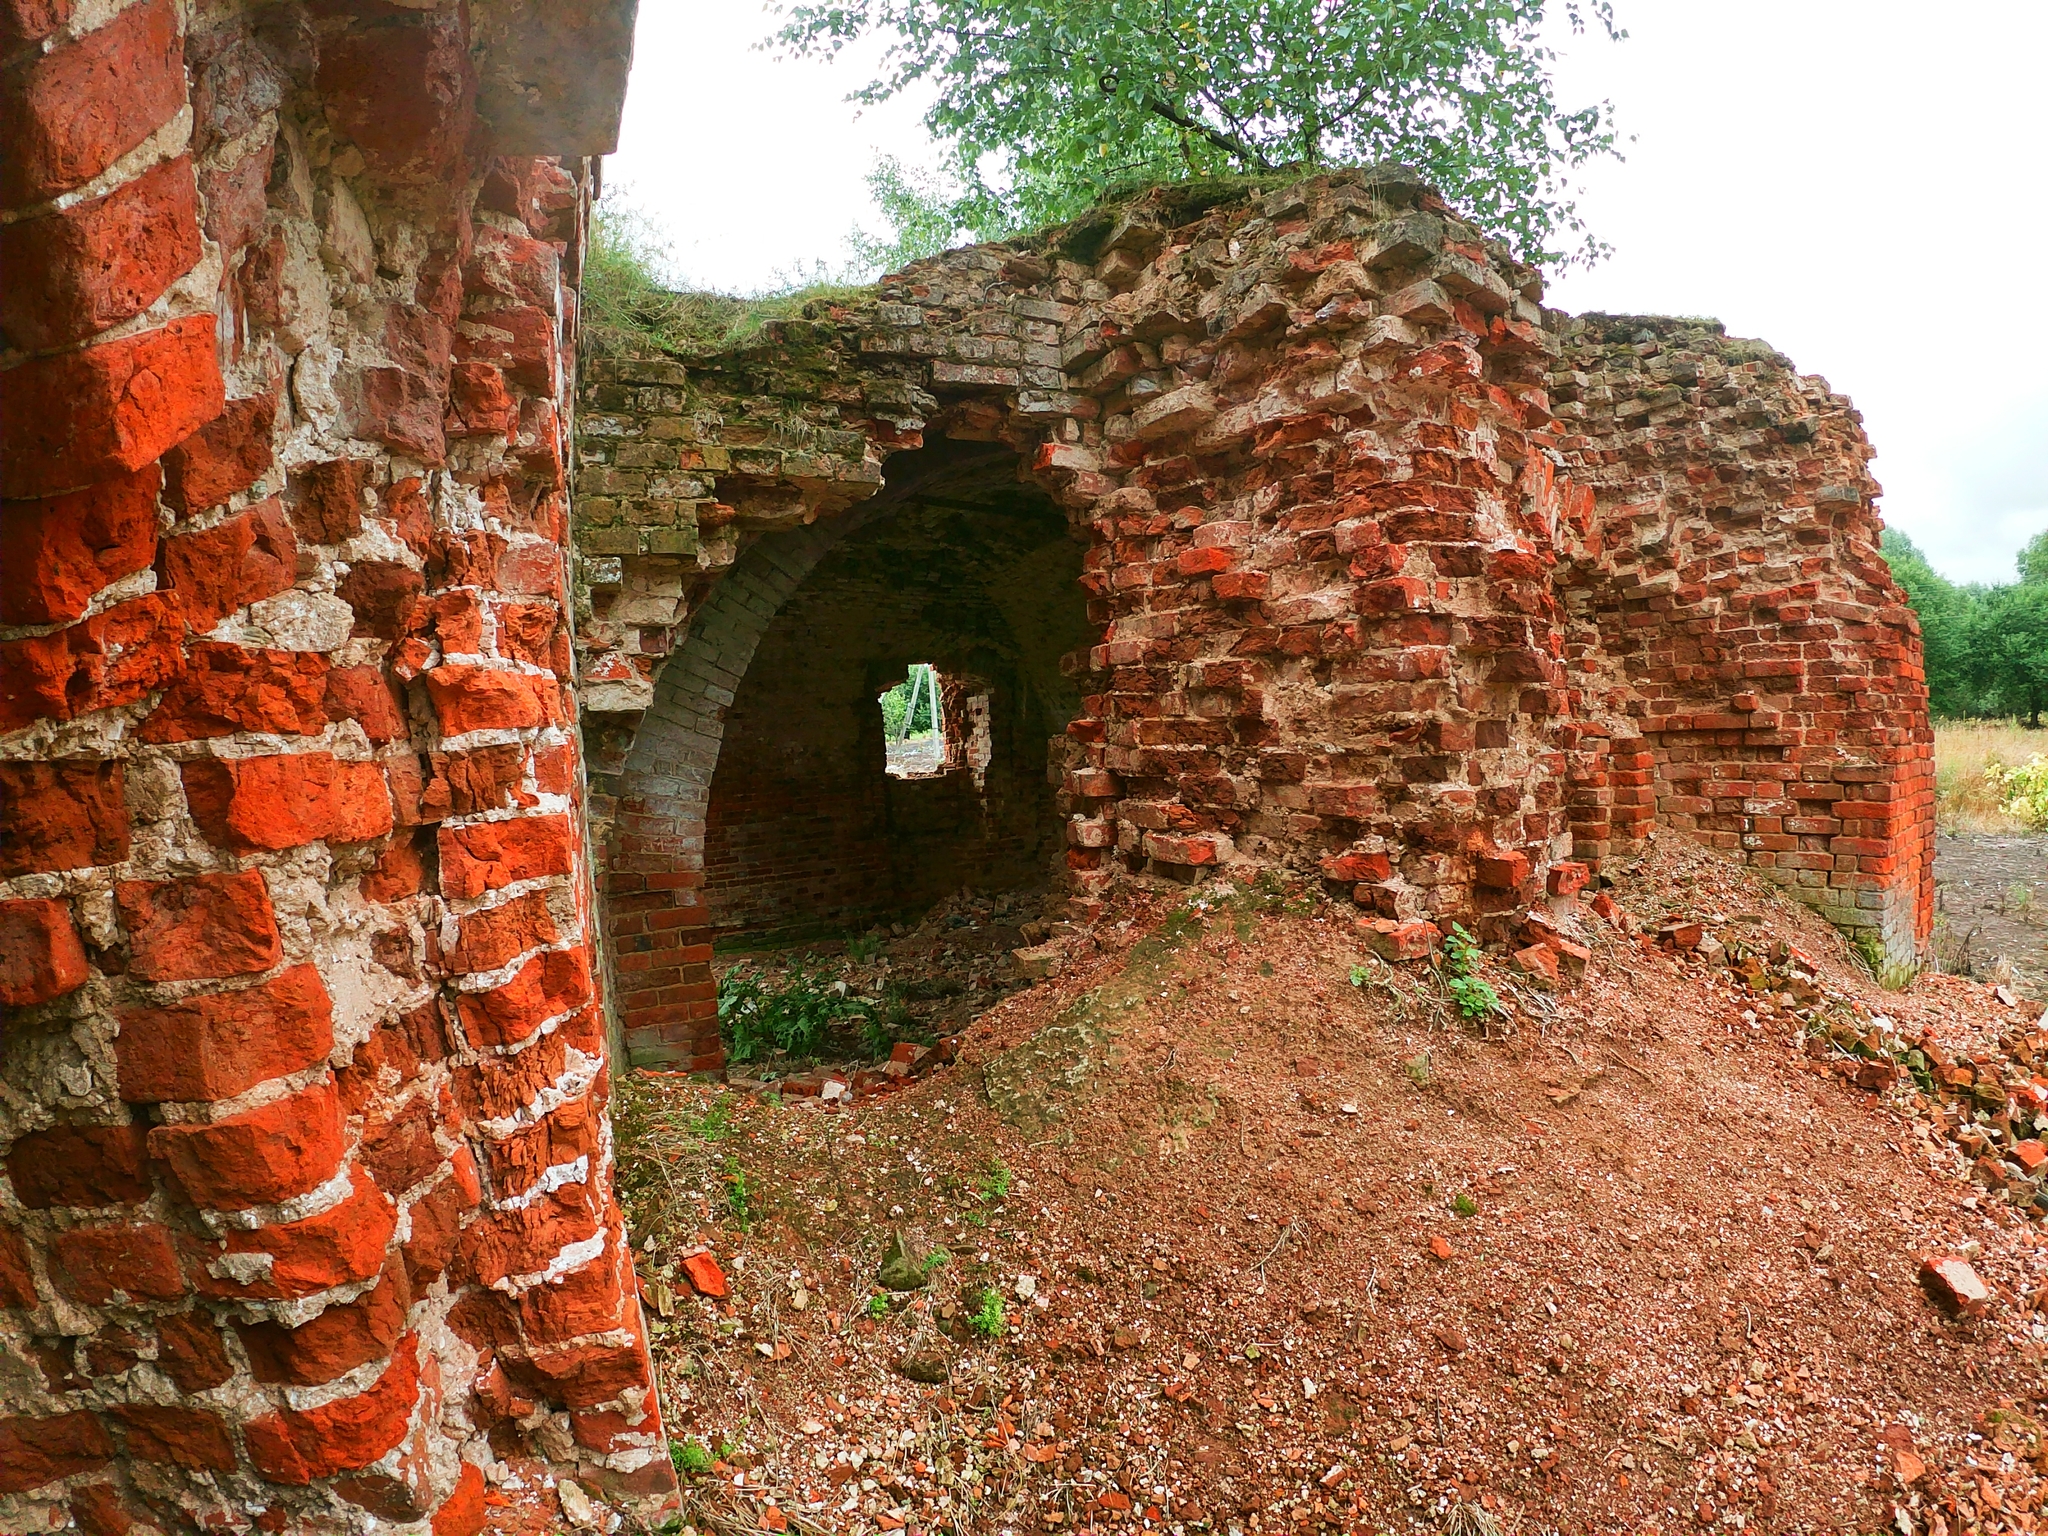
{"x": 1045, "y": 106}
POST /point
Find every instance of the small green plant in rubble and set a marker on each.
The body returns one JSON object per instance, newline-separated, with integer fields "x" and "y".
{"x": 690, "y": 1457}
{"x": 988, "y": 1318}
{"x": 1473, "y": 997}
{"x": 996, "y": 1182}
{"x": 739, "y": 1197}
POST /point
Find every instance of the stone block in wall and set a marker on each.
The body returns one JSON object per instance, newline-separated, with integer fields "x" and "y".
{"x": 129, "y": 71}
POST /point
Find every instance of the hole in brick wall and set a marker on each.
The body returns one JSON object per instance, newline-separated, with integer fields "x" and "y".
{"x": 913, "y": 728}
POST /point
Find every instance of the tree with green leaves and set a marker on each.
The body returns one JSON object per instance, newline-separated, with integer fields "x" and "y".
{"x": 2034, "y": 561}
{"x": 1986, "y": 648}
{"x": 922, "y": 212}
{"x": 1047, "y": 105}
{"x": 1947, "y": 627}
{"x": 2009, "y": 651}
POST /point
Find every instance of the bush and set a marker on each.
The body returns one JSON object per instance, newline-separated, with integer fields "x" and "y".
{"x": 2024, "y": 791}
{"x": 794, "y": 1013}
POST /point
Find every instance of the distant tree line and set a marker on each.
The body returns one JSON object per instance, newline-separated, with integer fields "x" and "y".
{"x": 1987, "y": 647}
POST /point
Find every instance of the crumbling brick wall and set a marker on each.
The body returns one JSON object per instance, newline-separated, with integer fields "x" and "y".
{"x": 1733, "y": 605}
{"x": 1396, "y": 574}
{"x": 306, "y": 1210}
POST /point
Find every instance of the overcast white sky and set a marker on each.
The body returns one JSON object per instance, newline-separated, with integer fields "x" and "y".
{"x": 1863, "y": 183}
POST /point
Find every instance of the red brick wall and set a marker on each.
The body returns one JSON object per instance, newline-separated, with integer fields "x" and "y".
{"x": 296, "y": 1008}
{"x": 1733, "y": 614}
{"x": 1393, "y": 573}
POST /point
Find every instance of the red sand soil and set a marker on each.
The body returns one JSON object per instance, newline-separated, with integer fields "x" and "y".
{"x": 1278, "y": 1251}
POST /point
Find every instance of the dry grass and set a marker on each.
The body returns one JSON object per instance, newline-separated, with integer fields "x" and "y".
{"x": 1965, "y": 799}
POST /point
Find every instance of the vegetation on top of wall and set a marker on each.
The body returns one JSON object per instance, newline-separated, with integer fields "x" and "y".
{"x": 630, "y": 303}
{"x": 1986, "y": 646}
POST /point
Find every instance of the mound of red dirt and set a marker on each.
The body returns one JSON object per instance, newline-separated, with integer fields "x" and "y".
{"x": 1232, "y": 1228}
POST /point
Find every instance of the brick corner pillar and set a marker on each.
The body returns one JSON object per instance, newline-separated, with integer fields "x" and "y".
{"x": 308, "y": 1218}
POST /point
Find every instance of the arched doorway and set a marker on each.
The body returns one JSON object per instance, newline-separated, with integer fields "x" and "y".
{"x": 971, "y": 575}
{"x": 757, "y": 801}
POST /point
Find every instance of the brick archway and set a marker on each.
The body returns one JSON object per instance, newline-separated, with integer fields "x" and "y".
{"x": 656, "y": 920}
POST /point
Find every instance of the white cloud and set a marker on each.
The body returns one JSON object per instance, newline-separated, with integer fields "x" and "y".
{"x": 1855, "y": 181}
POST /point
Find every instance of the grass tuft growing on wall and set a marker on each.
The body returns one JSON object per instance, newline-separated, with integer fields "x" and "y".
{"x": 631, "y": 304}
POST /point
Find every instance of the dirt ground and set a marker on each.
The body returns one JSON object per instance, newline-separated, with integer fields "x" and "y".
{"x": 1230, "y": 1228}
{"x": 1992, "y": 891}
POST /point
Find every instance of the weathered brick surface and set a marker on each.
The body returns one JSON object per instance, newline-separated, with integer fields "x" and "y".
{"x": 207, "y": 926}
{"x": 1391, "y": 573}
{"x": 218, "y": 1045}
{"x": 40, "y": 955}
{"x": 61, "y": 552}
{"x": 71, "y": 113}
{"x": 78, "y": 418}
{"x": 228, "y": 454}
{"x": 79, "y": 1166}
{"x": 283, "y": 513}
{"x": 63, "y": 814}
{"x": 76, "y": 272}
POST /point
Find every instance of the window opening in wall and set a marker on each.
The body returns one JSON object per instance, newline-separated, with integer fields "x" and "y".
{"x": 913, "y": 725}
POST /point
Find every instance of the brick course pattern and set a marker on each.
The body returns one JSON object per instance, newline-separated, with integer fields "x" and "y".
{"x": 304, "y": 1146}
{"x": 1398, "y": 576}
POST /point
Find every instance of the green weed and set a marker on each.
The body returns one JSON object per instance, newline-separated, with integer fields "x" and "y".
{"x": 988, "y": 1318}
{"x": 1465, "y": 1205}
{"x": 878, "y": 1306}
{"x": 1892, "y": 975}
{"x": 1472, "y": 997}
{"x": 794, "y": 1013}
{"x": 995, "y": 1182}
{"x": 739, "y": 1197}
{"x": 630, "y": 306}
{"x": 690, "y": 1458}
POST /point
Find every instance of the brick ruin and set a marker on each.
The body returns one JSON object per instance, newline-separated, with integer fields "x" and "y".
{"x": 354, "y": 775}
{"x": 1385, "y": 573}
{"x": 306, "y": 1215}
